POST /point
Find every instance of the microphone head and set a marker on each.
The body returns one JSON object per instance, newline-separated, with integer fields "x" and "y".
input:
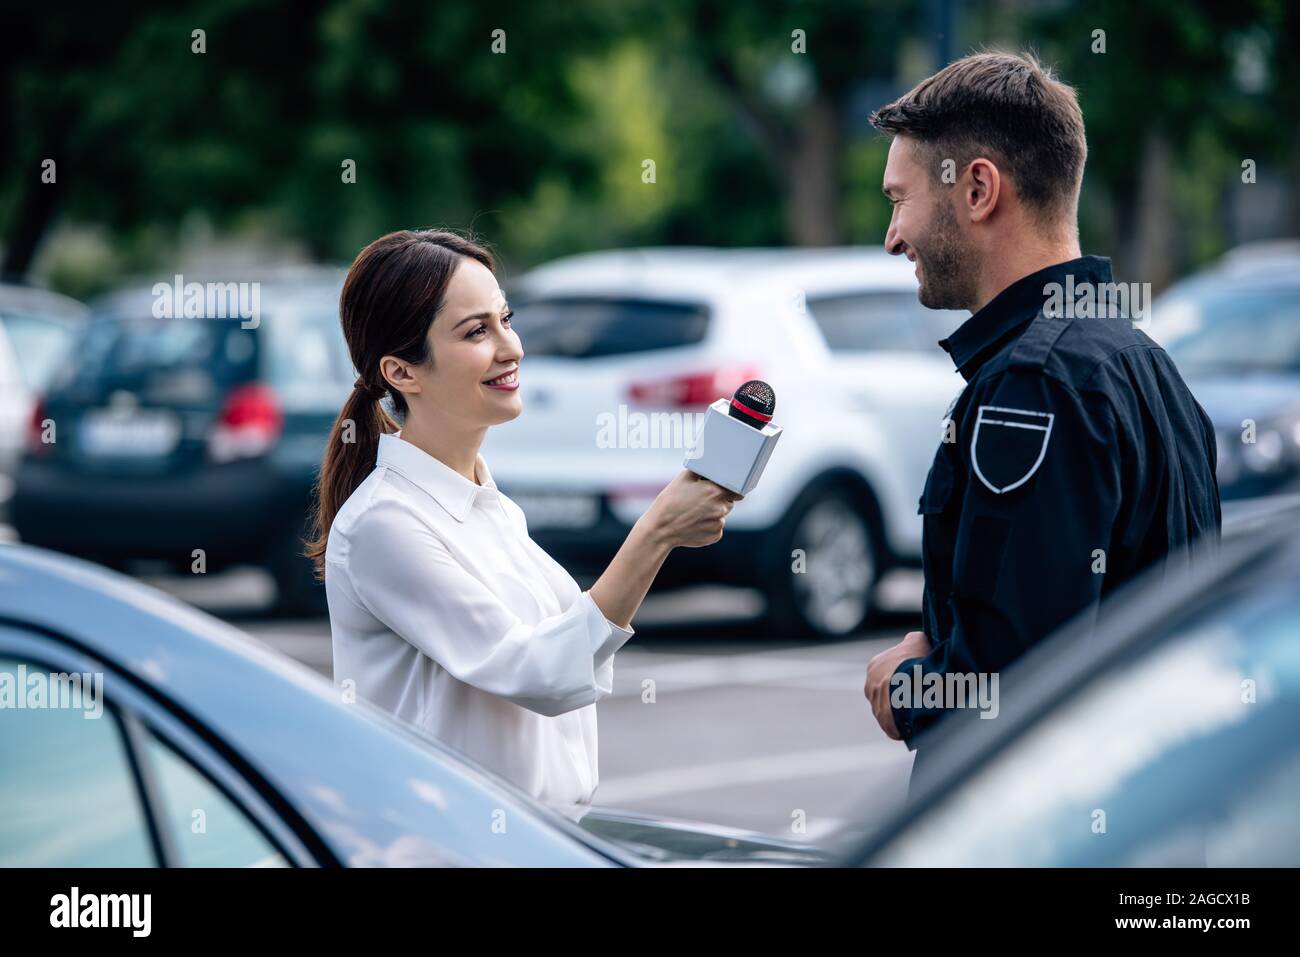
{"x": 753, "y": 403}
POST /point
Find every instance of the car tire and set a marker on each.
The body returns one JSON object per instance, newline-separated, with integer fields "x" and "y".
{"x": 829, "y": 557}
{"x": 298, "y": 593}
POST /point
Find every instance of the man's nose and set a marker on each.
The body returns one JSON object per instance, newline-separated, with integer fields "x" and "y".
{"x": 893, "y": 244}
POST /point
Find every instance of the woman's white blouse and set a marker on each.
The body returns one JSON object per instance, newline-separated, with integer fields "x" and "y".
{"x": 444, "y": 612}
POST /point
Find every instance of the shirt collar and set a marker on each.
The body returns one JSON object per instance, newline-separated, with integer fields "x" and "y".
{"x": 971, "y": 342}
{"x": 444, "y": 485}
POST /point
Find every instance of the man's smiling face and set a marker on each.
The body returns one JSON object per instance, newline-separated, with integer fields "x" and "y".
{"x": 924, "y": 227}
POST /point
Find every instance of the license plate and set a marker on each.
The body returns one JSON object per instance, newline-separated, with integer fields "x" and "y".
{"x": 558, "y": 509}
{"x": 129, "y": 434}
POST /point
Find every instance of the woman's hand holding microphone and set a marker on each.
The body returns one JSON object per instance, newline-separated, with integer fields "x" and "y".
{"x": 689, "y": 512}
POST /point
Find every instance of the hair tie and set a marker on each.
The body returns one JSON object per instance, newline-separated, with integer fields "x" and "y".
{"x": 371, "y": 391}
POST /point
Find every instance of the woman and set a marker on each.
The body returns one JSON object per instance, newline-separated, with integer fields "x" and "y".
{"x": 442, "y": 609}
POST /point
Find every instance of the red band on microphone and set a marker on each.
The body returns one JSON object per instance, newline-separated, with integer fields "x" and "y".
{"x": 736, "y": 404}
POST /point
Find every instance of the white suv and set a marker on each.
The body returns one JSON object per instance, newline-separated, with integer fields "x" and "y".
{"x": 623, "y": 350}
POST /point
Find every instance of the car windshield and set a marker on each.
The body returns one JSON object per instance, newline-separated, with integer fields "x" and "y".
{"x": 38, "y": 343}
{"x": 1232, "y": 328}
{"x": 882, "y": 321}
{"x": 308, "y": 360}
{"x": 593, "y": 328}
{"x": 303, "y": 351}
{"x": 120, "y": 347}
{"x": 1186, "y": 756}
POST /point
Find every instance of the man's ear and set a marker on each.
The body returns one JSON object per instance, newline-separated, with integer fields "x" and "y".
{"x": 398, "y": 375}
{"x": 981, "y": 189}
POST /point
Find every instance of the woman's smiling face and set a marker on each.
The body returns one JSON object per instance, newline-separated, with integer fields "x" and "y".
{"x": 471, "y": 343}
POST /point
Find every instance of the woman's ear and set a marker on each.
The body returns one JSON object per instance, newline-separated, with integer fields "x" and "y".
{"x": 398, "y": 374}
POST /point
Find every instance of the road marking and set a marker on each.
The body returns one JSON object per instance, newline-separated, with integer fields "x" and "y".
{"x": 759, "y": 668}
{"x": 866, "y": 760}
{"x": 773, "y": 668}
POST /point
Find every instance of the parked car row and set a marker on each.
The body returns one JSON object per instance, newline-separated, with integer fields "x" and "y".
{"x": 1234, "y": 331}
{"x": 176, "y": 439}
{"x": 185, "y": 440}
{"x": 37, "y": 329}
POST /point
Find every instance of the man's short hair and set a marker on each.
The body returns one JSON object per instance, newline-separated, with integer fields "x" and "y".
{"x": 1009, "y": 108}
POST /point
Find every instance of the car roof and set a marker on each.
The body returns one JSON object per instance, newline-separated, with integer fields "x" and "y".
{"x": 712, "y": 273}
{"x": 261, "y": 702}
{"x": 40, "y": 302}
{"x": 1265, "y": 256}
{"x": 277, "y": 285}
{"x": 1274, "y": 263}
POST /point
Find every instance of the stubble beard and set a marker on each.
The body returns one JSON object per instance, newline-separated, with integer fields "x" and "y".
{"x": 948, "y": 267}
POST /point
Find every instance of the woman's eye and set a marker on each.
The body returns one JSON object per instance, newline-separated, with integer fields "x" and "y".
{"x": 505, "y": 321}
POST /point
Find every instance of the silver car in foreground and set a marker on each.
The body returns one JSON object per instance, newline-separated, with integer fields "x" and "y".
{"x": 187, "y": 743}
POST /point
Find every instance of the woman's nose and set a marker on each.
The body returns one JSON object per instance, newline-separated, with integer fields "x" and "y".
{"x": 512, "y": 350}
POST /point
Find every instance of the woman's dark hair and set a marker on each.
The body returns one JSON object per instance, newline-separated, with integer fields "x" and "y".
{"x": 392, "y": 294}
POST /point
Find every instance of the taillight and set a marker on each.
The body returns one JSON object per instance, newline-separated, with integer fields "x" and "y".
{"x": 36, "y": 445}
{"x": 693, "y": 389}
{"x": 249, "y": 423}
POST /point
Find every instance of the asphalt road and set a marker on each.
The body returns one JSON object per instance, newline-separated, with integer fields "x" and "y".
{"x": 743, "y": 728}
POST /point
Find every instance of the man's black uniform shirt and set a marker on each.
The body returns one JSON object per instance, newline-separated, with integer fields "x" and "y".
{"x": 1074, "y": 457}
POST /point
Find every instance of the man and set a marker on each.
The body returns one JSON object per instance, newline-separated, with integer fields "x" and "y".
{"x": 1075, "y": 456}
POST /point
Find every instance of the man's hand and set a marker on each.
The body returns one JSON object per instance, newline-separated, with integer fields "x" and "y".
{"x": 881, "y": 668}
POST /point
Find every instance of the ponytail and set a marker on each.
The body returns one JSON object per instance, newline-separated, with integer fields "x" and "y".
{"x": 349, "y": 458}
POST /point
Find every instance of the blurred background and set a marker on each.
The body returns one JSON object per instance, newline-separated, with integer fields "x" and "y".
{"x": 682, "y": 195}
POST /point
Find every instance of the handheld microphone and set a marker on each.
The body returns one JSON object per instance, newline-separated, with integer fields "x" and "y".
{"x": 753, "y": 403}
{"x": 737, "y": 438}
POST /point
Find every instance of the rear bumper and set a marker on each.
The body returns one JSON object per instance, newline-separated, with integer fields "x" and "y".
{"x": 234, "y": 512}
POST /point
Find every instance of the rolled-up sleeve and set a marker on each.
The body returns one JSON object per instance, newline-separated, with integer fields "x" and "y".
{"x": 406, "y": 577}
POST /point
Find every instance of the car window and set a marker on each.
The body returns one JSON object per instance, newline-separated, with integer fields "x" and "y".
{"x": 122, "y": 347}
{"x": 885, "y": 321}
{"x": 1186, "y": 756}
{"x": 38, "y": 344}
{"x": 206, "y": 829}
{"x": 68, "y": 797}
{"x": 591, "y": 328}
{"x": 1231, "y": 328}
{"x": 307, "y": 357}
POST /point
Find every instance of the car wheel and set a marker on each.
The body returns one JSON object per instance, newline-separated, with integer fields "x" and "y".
{"x": 829, "y": 563}
{"x": 298, "y": 593}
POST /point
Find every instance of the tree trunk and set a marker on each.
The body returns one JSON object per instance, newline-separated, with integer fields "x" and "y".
{"x": 812, "y": 215}
{"x": 36, "y": 211}
{"x": 1154, "y": 257}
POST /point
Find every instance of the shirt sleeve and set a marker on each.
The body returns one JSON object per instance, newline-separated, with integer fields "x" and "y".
{"x": 406, "y": 577}
{"x": 1027, "y": 559}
